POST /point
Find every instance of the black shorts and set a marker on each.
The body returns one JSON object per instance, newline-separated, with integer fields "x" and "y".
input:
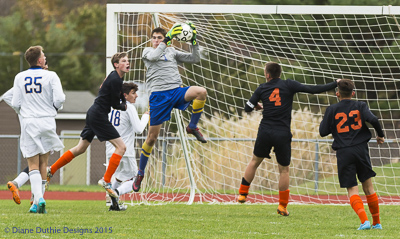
{"x": 97, "y": 124}
{"x": 352, "y": 161}
{"x": 280, "y": 140}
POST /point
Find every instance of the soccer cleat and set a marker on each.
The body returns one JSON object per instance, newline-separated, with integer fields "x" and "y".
{"x": 49, "y": 176}
{"x": 33, "y": 208}
{"x": 42, "y": 205}
{"x": 15, "y": 192}
{"x": 137, "y": 182}
{"x": 197, "y": 134}
{"x": 108, "y": 188}
{"x": 365, "y": 226}
{"x": 282, "y": 211}
{"x": 32, "y": 198}
{"x": 377, "y": 226}
{"x": 242, "y": 198}
{"x": 116, "y": 205}
{"x": 108, "y": 200}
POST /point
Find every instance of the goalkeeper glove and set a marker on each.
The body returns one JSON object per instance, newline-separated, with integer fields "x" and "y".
{"x": 194, "y": 42}
{"x": 175, "y": 30}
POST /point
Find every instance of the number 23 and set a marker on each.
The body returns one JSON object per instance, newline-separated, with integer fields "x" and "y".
{"x": 343, "y": 115}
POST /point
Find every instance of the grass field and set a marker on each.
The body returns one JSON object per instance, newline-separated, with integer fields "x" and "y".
{"x": 194, "y": 221}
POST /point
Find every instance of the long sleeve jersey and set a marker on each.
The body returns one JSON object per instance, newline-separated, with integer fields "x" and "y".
{"x": 162, "y": 66}
{"x": 277, "y": 99}
{"x": 110, "y": 94}
{"x": 346, "y": 121}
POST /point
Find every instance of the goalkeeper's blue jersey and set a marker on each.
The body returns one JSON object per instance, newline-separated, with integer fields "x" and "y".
{"x": 162, "y": 66}
{"x": 277, "y": 99}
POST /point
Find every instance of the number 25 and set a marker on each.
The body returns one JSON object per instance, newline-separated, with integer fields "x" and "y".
{"x": 343, "y": 115}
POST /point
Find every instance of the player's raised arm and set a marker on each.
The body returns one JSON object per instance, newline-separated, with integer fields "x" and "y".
{"x": 313, "y": 89}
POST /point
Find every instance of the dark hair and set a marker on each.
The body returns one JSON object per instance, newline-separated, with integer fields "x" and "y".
{"x": 127, "y": 87}
{"x": 33, "y": 54}
{"x": 274, "y": 69}
{"x": 345, "y": 87}
{"x": 117, "y": 56}
{"x": 159, "y": 30}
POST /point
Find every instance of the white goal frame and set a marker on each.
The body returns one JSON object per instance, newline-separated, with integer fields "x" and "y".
{"x": 112, "y": 38}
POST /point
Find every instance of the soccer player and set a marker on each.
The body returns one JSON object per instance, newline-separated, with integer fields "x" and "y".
{"x": 97, "y": 123}
{"x": 346, "y": 122}
{"x": 127, "y": 124}
{"x": 274, "y": 130}
{"x": 37, "y": 95}
{"x": 23, "y": 177}
{"x": 164, "y": 82}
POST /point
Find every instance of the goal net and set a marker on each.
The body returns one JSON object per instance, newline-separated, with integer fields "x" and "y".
{"x": 314, "y": 45}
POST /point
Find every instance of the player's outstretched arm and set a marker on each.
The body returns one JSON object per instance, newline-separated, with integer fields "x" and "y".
{"x": 313, "y": 89}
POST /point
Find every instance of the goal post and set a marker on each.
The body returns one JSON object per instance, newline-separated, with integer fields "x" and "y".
{"x": 314, "y": 45}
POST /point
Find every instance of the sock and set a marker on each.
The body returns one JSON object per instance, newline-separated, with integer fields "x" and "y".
{"x": 197, "y": 109}
{"x": 244, "y": 187}
{"x": 125, "y": 188}
{"x": 62, "y": 161}
{"x": 21, "y": 179}
{"x": 373, "y": 204}
{"x": 116, "y": 184}
{"x": 144, "y": 157}
{"x": 284, "y": 198}
{"x": 26, "y": 170}
{"x": 43, "y": 186}
{"x": 36, "y": 185}
{"x": 112, "y": 166}
{"x": 358, "y": 206}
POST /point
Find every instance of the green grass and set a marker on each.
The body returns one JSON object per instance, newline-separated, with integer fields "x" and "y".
{"x": 386, "y": 182}
{"x": 194, "y": 221}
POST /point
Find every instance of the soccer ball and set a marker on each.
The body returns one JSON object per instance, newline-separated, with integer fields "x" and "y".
{"x": 186, "y": 34}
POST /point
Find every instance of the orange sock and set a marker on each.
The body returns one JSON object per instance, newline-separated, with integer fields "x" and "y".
{"x": 358, "y": 206}
{"x": 62, "y": 161}
{"x": 373, "y": 204}
{"x": 112, "y": 166}
{"x": 244, "y": 190}
{"x": 284, "y": 198}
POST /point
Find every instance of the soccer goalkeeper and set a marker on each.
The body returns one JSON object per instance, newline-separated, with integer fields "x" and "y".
{"x": 274, "y": 130}
{"x": 165, "y": 84}
{"x": 346, "y": 121}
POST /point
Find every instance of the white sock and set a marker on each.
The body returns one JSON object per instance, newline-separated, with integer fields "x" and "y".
{"x": 43, "y": 186}
{"x": 21, "y": 179}
{"x": 125, "y": 188}
{"x": 115, "y": 184}
{"x": 36, "y": 185}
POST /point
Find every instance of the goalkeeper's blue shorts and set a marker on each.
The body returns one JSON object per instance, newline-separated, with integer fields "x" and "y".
{"x": 162, "y": 103}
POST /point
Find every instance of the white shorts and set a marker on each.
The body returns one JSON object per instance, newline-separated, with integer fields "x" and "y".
{"x": 38, "y": 136}
{"x": 127, "y": 168}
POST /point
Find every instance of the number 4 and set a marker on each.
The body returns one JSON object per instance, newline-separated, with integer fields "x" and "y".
{"x": 275, "y": 97}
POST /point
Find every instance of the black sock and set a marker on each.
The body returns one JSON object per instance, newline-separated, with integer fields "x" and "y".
{"x": 244, "y": 182}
